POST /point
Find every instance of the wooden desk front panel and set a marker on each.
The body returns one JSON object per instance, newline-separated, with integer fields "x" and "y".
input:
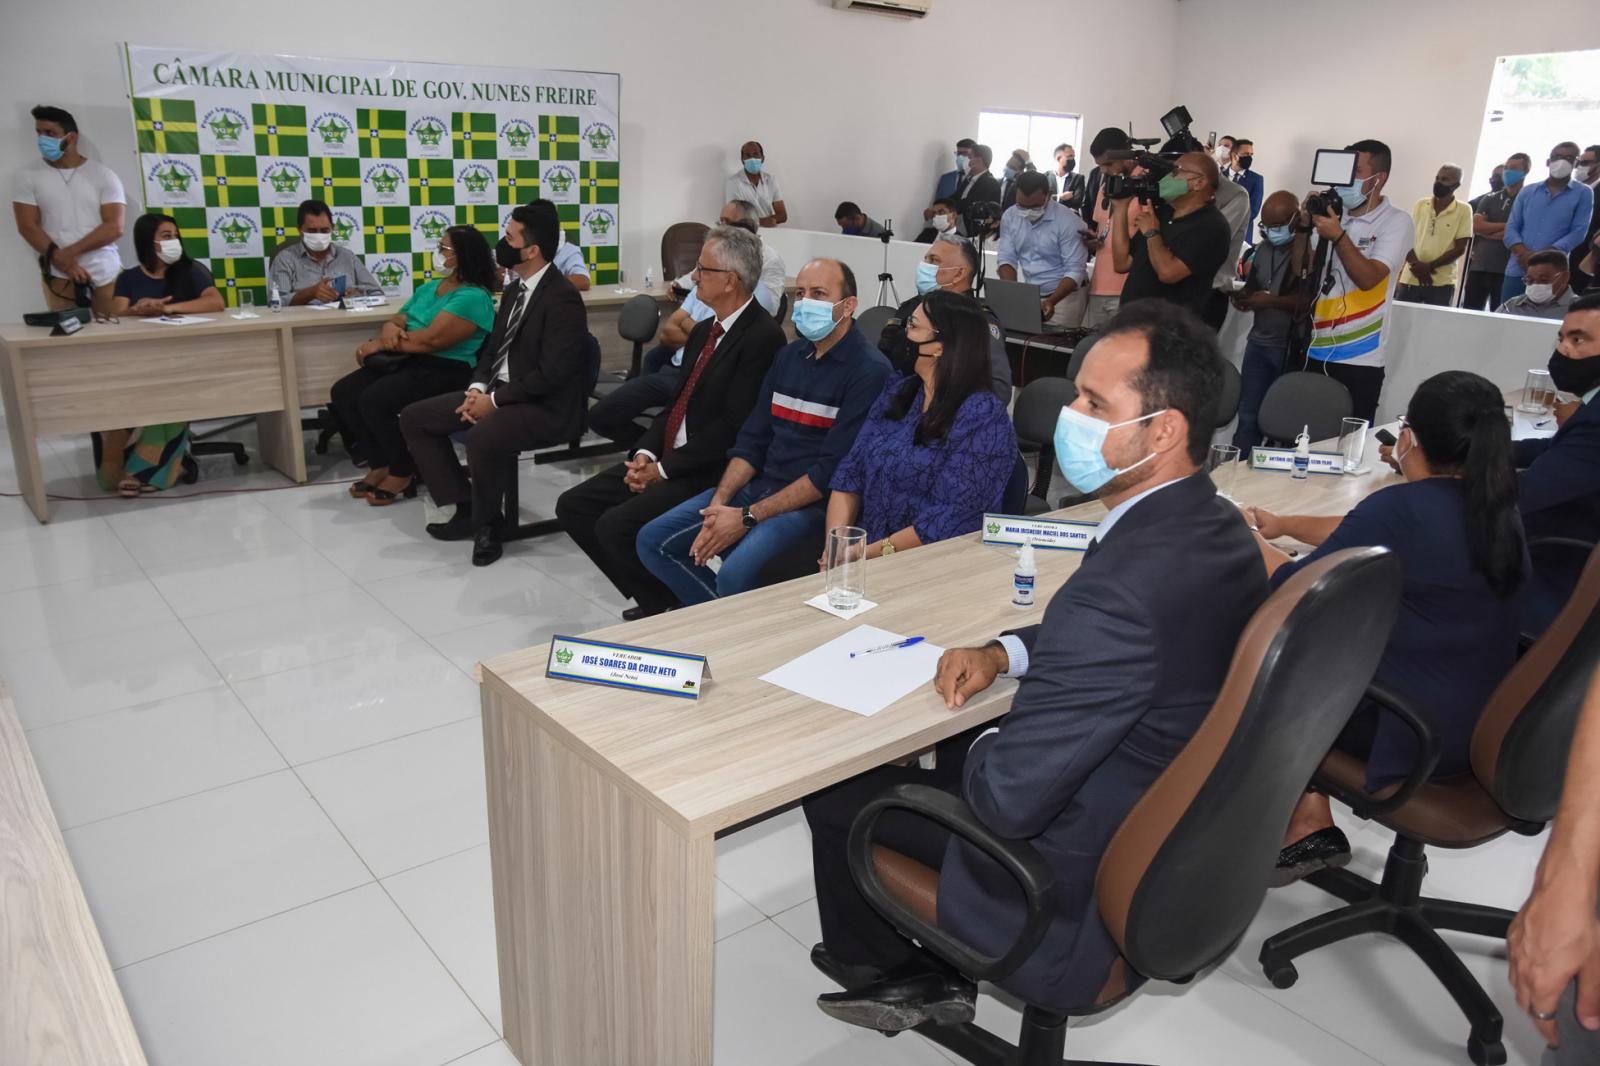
{"x": 324, "y": 353}
{"x": 164, "y": 377}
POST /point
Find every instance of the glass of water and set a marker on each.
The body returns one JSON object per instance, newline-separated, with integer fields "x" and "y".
{"x": 1353, "y": 442}
{"x": 1538, "y": 393}
{"x": 1223, "y": 466}
{"x": 845, "y": 567}
{"x": 247, "y": 303}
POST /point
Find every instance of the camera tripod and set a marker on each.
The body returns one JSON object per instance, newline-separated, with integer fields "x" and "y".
{"x": 887, "y": 296}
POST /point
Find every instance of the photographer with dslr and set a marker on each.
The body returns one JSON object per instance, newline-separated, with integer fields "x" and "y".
{"x": 1368, "y": 245}
{"x": 1179, "y": 244}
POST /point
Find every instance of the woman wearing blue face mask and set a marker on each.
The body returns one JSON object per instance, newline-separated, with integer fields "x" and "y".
{"x": 1275, "y": 292}
{"x": 756, "y": 185}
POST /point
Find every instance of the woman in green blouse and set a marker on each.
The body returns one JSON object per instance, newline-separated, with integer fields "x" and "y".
{"x": 429, "y": 347}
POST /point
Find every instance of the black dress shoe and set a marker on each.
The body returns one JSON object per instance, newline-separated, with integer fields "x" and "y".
{"x": 633, "y": 614}
{"x": 459, "y": 527}
{"x": 486, "y": 546}
{"x": 1326, "y": 849}
{"x": 843, "y": 974}
{"x": 900, "y": 1000}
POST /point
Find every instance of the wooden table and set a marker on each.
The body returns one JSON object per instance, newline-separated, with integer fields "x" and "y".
{"x": 604, "y": 805}
{"x": 137, "y": 372}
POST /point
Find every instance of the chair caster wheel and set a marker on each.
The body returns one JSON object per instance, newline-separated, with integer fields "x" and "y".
{"x": 241, "y": 460}
{"x": 1483, "y": 1053}
{"x": 1283, "y": 975}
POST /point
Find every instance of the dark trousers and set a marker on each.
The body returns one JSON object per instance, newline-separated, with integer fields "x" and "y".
{"x": 1482, "y": 292}
{"x": 492, "y": 449}
{"x": 366, "y": 405}
{"x": 1364, "y": 382}
{"x": 1432, "y": 295}
{"x": 603, "y": 517}
{"x": 854, "y": 933}
{"x": 1260, "y": 367}
{"x": 1215, "y": 311}
{"x": 613, "y": 415}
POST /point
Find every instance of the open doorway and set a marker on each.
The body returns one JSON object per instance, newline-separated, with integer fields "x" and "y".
{"x": 1536, "y": 102}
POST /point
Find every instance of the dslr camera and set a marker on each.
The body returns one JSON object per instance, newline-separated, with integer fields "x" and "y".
{"x": 1331, "y": 168}
{"x": 1145, "y": 187}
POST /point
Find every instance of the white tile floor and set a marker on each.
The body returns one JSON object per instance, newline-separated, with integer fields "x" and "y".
{"x": 255, "y": 719}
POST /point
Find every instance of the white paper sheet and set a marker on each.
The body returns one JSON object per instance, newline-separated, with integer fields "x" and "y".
{"x": 865, "y": 685}
{"x": 178, "y": 320}
{"x": 820, "y": 602}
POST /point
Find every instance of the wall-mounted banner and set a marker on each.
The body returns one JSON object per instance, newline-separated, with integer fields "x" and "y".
{"x": 1282, "y": 459}
{"x": 230, "y": 143}
{"x": 593, "y": 662}
{"x": 1040, "y": 532}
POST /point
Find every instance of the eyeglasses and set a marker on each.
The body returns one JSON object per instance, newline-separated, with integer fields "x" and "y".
{"x": 701, "y": 268}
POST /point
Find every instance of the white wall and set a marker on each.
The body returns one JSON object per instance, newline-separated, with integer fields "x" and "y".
{"x": 1297, "y": 75}
{"x": 848, "y": 105}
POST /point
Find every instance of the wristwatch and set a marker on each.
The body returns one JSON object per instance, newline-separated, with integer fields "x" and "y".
{"x": 1148, "y": 233}
{"x": 749, "y": 519}
{"x": 888, "y": 547}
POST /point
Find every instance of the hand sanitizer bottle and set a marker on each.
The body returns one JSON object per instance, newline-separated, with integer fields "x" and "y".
{"x": 1302, "y": 454}
{"x": 1022, "y": 580}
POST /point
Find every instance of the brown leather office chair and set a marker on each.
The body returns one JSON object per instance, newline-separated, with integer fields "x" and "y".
{"x": 1519, "y": 758}
{"x": 1220, "y": 808}
{"x": 680, "y": 248}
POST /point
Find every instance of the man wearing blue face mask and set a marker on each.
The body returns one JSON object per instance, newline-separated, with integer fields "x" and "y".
{"x": 1275, "y": 292}
{"x": 70, "y": 210}
{"x": 951, "y": 265}
{"x": 1553, "y": 214}
{"x": 756, "y": 185}
{"x": 770, "y": 497}
{"x": 1486, "y": 268}
{"x": 1044, "y": 240}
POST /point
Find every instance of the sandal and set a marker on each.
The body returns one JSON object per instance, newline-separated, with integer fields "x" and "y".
{"x": 131, "y": 488}
{"x": 362, "y": 489}
{"x": 383, "y": 497}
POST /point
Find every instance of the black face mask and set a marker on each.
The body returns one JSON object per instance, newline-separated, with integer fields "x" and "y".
{"x": 1496, "y": 182}
{"x": 1245, "y": 161}
{"x": 1576, "y": 376}
{"x": 1442, "y": 189}
{"x": 1072, "y": 164}
{"x": 507, "y": 254}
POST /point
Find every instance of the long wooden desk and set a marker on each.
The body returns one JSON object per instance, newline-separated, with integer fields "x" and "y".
{"x": 604, "y": 805}
{"x": 136, "y": 372}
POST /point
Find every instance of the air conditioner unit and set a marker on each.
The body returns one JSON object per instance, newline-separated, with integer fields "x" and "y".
{"x": 907, "y": 8}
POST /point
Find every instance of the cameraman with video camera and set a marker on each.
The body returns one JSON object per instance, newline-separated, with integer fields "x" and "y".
{"x": 1180, "y": 242}
{"x": 1369, "y": 244}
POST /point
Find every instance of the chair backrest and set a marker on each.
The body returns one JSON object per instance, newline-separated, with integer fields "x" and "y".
{"x": 1038, "y": 407}
{"x": 1080, "y": 350}
{"x": 871, "y": 322}
{"x": 680, "y": 248}
{"x": 1303, "y": 398}
{"x": 591, "y": 362}
{"x": 639, "y": 319}
{"x": 1189, "y": 866}
{"x": 1015, "y": 498}
{"x": 1228, "y": 402}
{"x": 1519, "y": 747}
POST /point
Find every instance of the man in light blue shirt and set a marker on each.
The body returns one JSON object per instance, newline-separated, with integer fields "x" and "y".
{"x": 569, "y": 263}
{"x": 1044, "y": 240}
{"x": 1552, "y": 215}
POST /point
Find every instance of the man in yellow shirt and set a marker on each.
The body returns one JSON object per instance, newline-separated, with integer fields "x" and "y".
{"x": 1443, "y": 231}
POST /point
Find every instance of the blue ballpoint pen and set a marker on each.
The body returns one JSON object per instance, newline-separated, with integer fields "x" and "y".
{"x": 889, "y": 647}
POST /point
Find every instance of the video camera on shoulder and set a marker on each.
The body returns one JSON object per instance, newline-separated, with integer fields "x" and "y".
{"x": 1145, "y": 187}
{"x": 1331, "y": 168}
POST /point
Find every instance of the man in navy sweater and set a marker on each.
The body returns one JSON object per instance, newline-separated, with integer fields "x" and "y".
{"x": 810, "y": 408}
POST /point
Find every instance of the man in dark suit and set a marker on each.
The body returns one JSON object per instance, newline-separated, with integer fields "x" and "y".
{"x": 1131, "y": 654}
{"x": 977, "y": 185}
{"x": 1559, "y": 495}
{"x": 528, "y": 389}
{"x": 684, "y": 450}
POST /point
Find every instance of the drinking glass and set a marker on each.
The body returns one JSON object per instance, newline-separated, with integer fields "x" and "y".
{"x": 845, "y": 567}
{"x": 247, "y": 303}
{"x": 1353, "y": 442}
{"x": 1538, "y": 393}
{"x": 1223, "y": 466}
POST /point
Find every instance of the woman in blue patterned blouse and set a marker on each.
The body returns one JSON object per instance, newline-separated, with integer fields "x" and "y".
{"x": 938, "y": 447}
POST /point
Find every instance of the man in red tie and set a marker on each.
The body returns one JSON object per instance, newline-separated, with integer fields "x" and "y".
{"x": 686, "y": 447}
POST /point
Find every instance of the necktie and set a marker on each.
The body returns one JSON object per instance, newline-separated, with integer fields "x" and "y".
{"x": 518, "y": 309}
{"x": 680, "y": 406}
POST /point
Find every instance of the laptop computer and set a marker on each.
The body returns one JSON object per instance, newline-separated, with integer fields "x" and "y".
{"x": 1016, "y": 305}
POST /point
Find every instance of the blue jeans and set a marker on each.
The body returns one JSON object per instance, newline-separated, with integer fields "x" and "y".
{"x": 1260, "y": 367}
{"x": 664, "y": 543}
{"x": 1514, "y": 286}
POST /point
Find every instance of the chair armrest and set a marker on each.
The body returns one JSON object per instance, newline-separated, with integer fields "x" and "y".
{"x": 1364, "y": 803}
{"x": 1016, "y": 857}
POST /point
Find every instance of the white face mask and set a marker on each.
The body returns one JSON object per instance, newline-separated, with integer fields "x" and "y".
{"x": 1583, "y": 174}
{"x": 1560, "y": 169}
{"x": 942, "y": 223}
{"x": 1223, "y": 154}
{"x": 169, "y": 251}
{"x": 317, "y": 242}
{"x": 439, "y": 265}
{"x": 1032, "y": 214}
{"x": 1541, "y": 294}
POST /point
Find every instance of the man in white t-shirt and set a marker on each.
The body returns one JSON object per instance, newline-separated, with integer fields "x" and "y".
{"x": 1350, "y": 326}
{"x": 71, "y": 210}
{"x": 756, "y": 185}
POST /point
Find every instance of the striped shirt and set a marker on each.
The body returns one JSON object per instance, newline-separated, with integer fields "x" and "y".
{"x": 1349, "y": 324}
{"x": 810, "y": 409}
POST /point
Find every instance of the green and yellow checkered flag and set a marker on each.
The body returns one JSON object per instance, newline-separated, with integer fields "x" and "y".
{"x": 336, "y": 181}
{"x": 567, "y": 215}
{"x": 386, "y": 230}
{"x": 165, "y": 126}
{"x": 192, "y": 231}
{"x": 237, "y": 275}
{"x": 383, "y": 133}
{"x": 279, "y": 226}
{"x": 280, "y": 129}
{"x": 519, "y": 181}
{"x": 558, "y": 137}
{"x": 422, "y": 270}
{"x": 604, "y": 267}
{"x": 597, "y": 183}
{"x": 230, "y": 181}
{"x": 433, "y": 182}
{"x": 472, "y": 135}
{"x": 485, "y": 217}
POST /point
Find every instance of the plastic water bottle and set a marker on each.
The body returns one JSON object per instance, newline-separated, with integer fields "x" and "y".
{"x": 1302, "y": 454}
{"x": 274, "y": 299}
{"x": 649, "y": 277}
{"x": 1022, "y": 580}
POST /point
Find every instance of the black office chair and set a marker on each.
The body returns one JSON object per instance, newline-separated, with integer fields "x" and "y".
{"x": 1303, "y": 399}
{"x": 871, "y": 322}
{"x": 1228, "y": 402}
{"x": 1219, "y": 808}
{"x": 637, "y": 324}
{"x": 575, "y": 448}
{"x": 1519, "y": 758}
{"x": 1079, "y": 351}
{"x": 1034, "y": 415}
